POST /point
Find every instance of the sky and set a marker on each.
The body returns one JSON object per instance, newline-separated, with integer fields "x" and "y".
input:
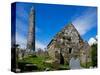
{"x": 50, "y": 19}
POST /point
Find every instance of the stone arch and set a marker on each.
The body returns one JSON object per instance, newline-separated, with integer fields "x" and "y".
{"x": 59, "y": 56}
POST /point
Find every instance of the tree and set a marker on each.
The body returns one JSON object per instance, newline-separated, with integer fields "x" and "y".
{"x": 94, "y": 55}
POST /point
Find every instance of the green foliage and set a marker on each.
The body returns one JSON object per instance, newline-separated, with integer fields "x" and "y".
{"x": 94, "y": 55}
{"x": 86, "y": 65}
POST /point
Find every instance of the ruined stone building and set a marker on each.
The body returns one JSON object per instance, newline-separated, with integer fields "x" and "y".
{"x": 67, "y": 44}
{"x": 31, "y": 32}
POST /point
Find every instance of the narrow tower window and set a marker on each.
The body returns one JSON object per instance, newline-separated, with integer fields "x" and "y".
{"x": 69, "y": 39}
{"x": 70, "y": 50}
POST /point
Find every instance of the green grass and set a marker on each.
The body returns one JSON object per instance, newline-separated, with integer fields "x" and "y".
{"x": 39, "y": 61}
{"x": 64, "y": 67}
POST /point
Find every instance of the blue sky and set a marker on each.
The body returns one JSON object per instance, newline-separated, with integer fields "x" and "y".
{"x": 50, "y": 19}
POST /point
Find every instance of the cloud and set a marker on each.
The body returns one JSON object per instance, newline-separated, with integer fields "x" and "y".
{"x": 96, "y": 37}
{"x": 92, "y": 40}
{"x": 21, "y": 40}
{"x": 86, "y": 21}
{"x": 38, "y": 44}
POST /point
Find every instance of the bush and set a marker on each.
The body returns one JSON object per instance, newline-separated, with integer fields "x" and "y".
{"x": 87, "y": 65}
{"x": 94, "y": 55}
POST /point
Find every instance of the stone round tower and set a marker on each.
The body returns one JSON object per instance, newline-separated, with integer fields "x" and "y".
{"x": 31, "y": 31}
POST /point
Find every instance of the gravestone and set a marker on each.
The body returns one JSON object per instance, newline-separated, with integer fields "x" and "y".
{"x": 74, "y": 63}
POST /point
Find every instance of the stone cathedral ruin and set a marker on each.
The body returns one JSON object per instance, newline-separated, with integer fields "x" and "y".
{"x": 67, "y": 44}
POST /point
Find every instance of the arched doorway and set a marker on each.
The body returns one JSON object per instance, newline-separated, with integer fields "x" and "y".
{"x": 61, "y": 59}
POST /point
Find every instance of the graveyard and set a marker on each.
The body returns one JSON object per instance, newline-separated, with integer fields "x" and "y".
{"x": 45, "y": 63}
{"x": 66, "y": 50}
{"x": 39, "y": 62}
{"x": 64, "y": 55}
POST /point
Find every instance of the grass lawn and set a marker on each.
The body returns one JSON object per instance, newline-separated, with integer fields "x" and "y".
{"x": 39, "y": 61}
